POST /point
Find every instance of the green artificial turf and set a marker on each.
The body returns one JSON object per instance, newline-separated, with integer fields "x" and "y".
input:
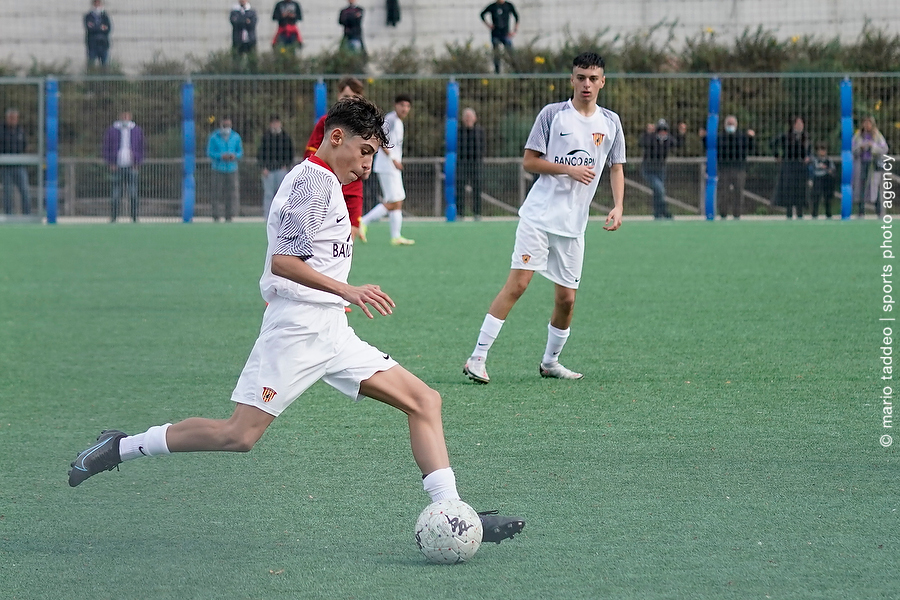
{"x": 724, "y": 442}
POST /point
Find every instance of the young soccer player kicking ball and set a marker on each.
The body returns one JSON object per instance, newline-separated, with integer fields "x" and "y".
{"x": 568, "y": 141}
{"x": 305, "y": 336}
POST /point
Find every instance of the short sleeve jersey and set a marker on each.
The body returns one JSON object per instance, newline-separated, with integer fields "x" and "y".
{"x": 308, "y": 219}
{"x": 557, "y": 203}
{"x": 393, "y": 127}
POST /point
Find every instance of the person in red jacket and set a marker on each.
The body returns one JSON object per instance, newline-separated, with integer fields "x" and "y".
{"x": 348, "y": 87}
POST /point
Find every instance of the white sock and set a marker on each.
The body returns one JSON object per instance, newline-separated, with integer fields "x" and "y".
{"x": 490, "y": 329}
{"x": 441, "y": 485}
{"x": 396, "y": 222}
{"x": 373, "y": 215}
{"x": 556, "y": 339}
{"x": 150, "y": 443}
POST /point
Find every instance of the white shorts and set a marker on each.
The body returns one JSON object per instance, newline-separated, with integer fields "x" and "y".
{"x": 298, "y": 345}
{"x": 556, "y": 257}
{"x": 391, "y": 186}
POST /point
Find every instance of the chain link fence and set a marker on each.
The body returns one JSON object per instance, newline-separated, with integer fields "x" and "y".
{"x": 506, "y": 107}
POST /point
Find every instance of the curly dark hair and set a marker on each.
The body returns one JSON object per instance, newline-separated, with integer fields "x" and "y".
{"x": 587, "y": 60}
{"x": 358, "y": 116}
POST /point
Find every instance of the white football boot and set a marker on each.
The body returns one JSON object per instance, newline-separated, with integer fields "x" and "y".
{"x": 475, "y": 370}
{"x": 558, "y": 371}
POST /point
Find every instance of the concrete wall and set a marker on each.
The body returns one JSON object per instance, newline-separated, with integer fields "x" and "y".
{"x": 51, "y": 30}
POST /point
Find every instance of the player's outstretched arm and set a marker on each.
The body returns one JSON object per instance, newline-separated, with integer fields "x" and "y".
{"x": 534, "y": 162}
{"x": 617, "y": 183}
{"x": 296, "y": 269}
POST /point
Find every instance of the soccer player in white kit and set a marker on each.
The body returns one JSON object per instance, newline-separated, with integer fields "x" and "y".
{"x": 388, "y": 166}
{"x": 568, "y": 146}
{"x": 305, "y": 336}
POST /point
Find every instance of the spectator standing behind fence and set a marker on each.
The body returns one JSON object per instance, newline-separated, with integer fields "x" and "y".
{"x": 350, "y": 18}
{"x": 97, "y": 27}
{"x": 225, "y": 149}
{"x": 348, "y": 87}
{"x": 869, "y": 148}
{"x": 733, "y": 147}
{"x": 13, "y": 141}
{"x": 275, "y": 158}
{"x": 471, "y": 145}
{"x": 821, "y": 180}
{"x": 287, "y": 36}
{"x": 501, "y": 36}
{"x": 656, "y": 142}
{"x": 792, "y": 151}
{"x": 243, "y": 35}
{"x": 123, "y": 151}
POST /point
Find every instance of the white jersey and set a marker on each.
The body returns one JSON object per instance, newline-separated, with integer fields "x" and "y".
{"x": 393, "y": 127}
{"x": 557, "y": 203}
{"x": 308, "y": 219}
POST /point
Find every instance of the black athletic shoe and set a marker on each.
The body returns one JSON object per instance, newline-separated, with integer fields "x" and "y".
{"x": 498, "y": 528}
{"x": 102, "y": 456}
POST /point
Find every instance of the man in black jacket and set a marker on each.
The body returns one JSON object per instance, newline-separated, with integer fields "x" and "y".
{"x": 733, "y": 148}
{"x": 12, "y": 141}
{"x": 243, "y": 33}
{"x": 500, "y": 12}
{"x": 97, "y": 27}
{"x": 275, "y": 158}
{"x": 656, "y": 142}
{"x": 350, "y": 18}
{"x": 471, "y": 144}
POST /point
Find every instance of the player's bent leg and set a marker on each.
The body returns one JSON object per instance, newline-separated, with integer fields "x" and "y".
{"x": 238, "y": 433}
{"x": 512, "y": 290}
{"x": 563, "y": 307}
{"x": 558, "y": 334}
{"x": 401, "y": 389}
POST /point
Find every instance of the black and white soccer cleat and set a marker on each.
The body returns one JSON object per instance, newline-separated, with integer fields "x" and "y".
{"x": 102, "y": 456}
{"x": 498, "y": 527}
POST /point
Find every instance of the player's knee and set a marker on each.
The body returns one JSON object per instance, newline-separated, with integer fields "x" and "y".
{"x": 565, "y": 304}
{"x": 516, "y": 288}
{"x": 429, "y": 402}
{"x": 240, "y": 439}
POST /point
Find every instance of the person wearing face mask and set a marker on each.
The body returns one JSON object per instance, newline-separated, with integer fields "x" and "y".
{"x": 224, "y": 150}
{"x": 656, "y": 142}
{"x": 792, "y": 150}
{"x": 733, "y": 148}
{"x": 275, "y": 158}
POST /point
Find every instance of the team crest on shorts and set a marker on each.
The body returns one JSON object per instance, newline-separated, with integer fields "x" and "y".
{"x": 526, "y": 258}
{"x": 598, "y": 138}
{"x": 268, "y": 393}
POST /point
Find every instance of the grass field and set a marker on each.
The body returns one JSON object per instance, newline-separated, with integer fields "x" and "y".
{"x": 723, "y": 444}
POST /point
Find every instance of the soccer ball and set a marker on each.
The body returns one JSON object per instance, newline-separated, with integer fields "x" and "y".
{"x": 448, "y": 532}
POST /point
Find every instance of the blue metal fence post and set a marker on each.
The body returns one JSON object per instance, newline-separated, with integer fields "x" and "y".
{"x": 52, "y": 135}
{"x": 846, "y": 148}
{"x": 712, "y": 147}
{"x": 450, "y": 132}
{"x": 320, "y": 93}
{"x": 189, "y": 185}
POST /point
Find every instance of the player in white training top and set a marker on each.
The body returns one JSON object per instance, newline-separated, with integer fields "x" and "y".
{"x": 569, "y": 145}
{"x": 388, "y": 166}
{"x": 305, "y": 336}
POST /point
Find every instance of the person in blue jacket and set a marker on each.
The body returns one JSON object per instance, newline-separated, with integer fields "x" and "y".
{"x": 225, "y": 149}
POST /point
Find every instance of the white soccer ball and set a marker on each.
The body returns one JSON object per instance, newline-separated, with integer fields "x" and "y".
{"x": 448, "y": 532}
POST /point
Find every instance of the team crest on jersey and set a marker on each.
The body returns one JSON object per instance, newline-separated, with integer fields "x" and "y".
{"x": 598, "y": 138}
{"x": 268, "y": 393}
{"x": 526, "y": 258}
